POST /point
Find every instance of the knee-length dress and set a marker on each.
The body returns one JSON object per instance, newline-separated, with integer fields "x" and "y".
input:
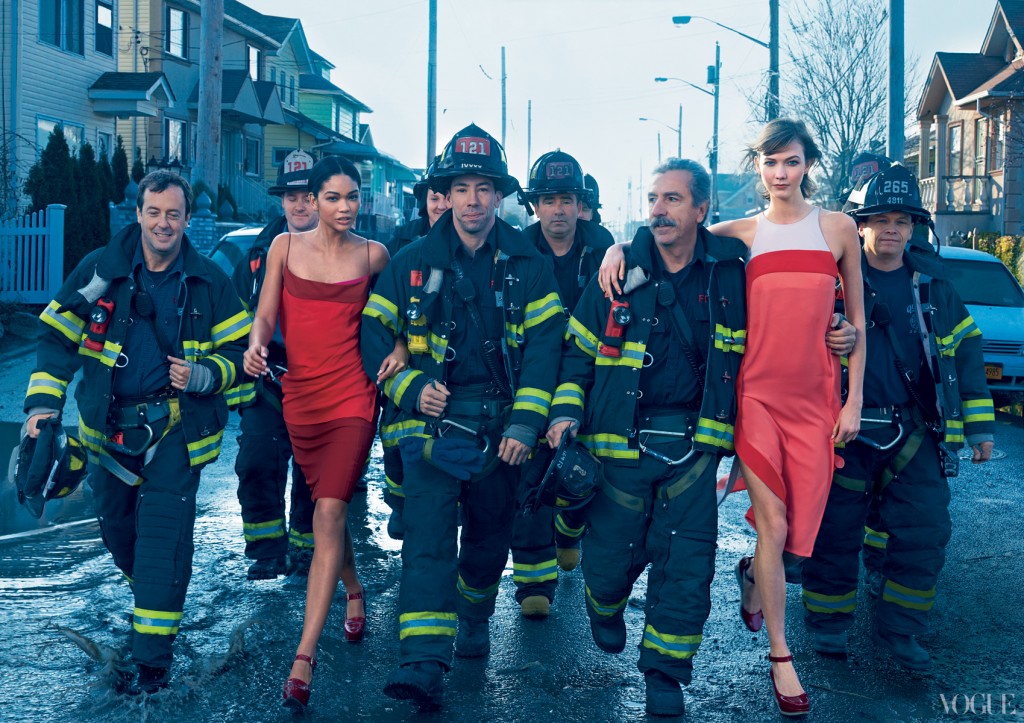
{"x": 788, "y": 384}
{"x": 330, "y": 404}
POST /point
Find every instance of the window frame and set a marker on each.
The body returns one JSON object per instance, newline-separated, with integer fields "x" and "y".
{"x": 249, "y": 50}
{"x": 109, "y": 5}
{"x": 182, "y": 126}
{"x": 74, "y": 143}
{"x": 252, "y": 163}
{"x": 57, "y": 35}
{"x": 958, "y": 128}
{"x": 169, "y": 48}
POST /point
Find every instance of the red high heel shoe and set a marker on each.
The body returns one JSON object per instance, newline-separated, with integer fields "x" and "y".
{"x": 753, "y": 621}
{"x": 296, "y": 692}
{"x": 355, "y": 628}
{"x": 789, "y": 705}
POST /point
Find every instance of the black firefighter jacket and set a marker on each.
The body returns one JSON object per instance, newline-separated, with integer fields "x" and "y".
{"x": 600, "y": 391}
{"x": 531, "y": 308}
{"x": 212, "y": 331}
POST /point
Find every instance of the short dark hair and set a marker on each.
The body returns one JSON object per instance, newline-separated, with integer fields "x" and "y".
{"x": 160, "y": 181}
{"x": 330, "y": 166}
{"x": 777, "y": 135}
{"x": 700, "y": 181}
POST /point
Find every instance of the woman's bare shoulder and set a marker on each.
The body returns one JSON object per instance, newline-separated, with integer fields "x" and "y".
{"x": 379, "y": 256}
{"x": 837, "y": 221}
{"x": 741, "y": 228}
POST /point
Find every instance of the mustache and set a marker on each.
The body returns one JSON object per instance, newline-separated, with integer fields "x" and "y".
{"x": 662, "y": 221}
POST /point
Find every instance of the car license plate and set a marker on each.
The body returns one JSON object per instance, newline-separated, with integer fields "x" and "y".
{"x": 994, "y": 372}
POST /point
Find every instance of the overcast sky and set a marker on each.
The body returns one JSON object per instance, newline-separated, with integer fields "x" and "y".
{"x": 587, "y": 65}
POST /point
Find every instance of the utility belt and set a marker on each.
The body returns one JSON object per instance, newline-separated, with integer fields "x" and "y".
{"x": 138, "y": 412}
{"x": 660, "y": 432}
{"x": 908, "y": 425}
{"x": 140, "y": 423}
{"x": 475, "y": 411}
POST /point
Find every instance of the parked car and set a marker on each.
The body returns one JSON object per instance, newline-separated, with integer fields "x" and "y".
{"x": 996, "y": 301}
{"x": 233, "y": 247}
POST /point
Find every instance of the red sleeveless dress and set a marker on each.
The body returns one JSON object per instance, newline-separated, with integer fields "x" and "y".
{"x": 788, "y": 384}
{"x": 330, "y": 405}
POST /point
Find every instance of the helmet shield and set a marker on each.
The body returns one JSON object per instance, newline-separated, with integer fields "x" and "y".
{"x": 474, "y": 152}
{"x": 557, "y": 172}
{"x": 891, "y": 189}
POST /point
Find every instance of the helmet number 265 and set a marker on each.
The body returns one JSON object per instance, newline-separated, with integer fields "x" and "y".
{"x": 896, "y": 187}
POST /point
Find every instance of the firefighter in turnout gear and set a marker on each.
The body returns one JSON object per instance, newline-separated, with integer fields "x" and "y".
{"x": 592, "y": 205}
{"x": 546, "y": 540}
{"x": 264, "y": 450}
{"x": 432, "y": 202}
{"x": 648, "y": 379}
{"x": 925, "y": 395}
{"x": 159, "y": 333}
{"x": 479, "y": 308}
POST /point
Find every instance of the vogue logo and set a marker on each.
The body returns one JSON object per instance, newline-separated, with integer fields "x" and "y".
{"x": 979, "y": 704}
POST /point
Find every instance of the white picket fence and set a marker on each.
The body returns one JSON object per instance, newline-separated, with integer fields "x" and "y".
{"x": 32, "y": 256}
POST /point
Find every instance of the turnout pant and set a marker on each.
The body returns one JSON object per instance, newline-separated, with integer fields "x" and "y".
{"x": 441, "y": 580}
{"x": 534, "y": 567}
{"x": 394, "y": 474}
{"x": 665, "y": 516}
{"x": 264, "y": 452}
{"x": 913, "y": 507}
{"x": 148, "y": 530}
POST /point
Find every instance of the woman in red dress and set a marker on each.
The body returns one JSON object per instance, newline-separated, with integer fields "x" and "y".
{"x": 319, "y": 281}
{"x": 789, "y": 415}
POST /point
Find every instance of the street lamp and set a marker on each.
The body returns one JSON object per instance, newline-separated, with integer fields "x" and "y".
{"x": 678, "y": 131}
{"x": 772, "y": 106}
{"x": 714, "y": 78}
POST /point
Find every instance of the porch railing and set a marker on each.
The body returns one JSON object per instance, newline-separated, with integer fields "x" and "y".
{"x": 962, "y": 194}
{"x": 250, "y": 196}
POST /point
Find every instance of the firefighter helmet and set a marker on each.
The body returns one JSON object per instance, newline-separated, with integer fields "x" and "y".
{"x": 891, "y": 189}
{"x": 570, "y": 481}
{"x": 594, "y": 201}
{"x": 293, "y": 174}
{"x": 556, "y": 172}
{"x": 425, "y": 184}
{"x": 47, "y": 467}
{"x": 473, "y": 151}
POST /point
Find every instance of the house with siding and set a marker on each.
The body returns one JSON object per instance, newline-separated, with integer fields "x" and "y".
{"x": 970, "y": 115}
{"x": 53, "y": 55}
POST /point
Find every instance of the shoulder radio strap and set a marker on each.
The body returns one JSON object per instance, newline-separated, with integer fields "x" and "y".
{"x": 467, "y": 293}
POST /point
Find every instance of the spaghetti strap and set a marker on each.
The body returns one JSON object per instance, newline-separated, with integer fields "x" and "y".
{"x": 369, "y": 266}
{"x": 288, "y": 251}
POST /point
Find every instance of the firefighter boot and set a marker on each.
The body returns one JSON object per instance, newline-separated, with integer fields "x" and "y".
{"x": 418, "y": 682}
{"x": 299, "y": 560}
{"x": 828, "y": 642}
{"x": 610, "y": 635}
{"x": 268, "y": 568}
{"x": 904, "y": 649}
{"x": 568, "y": 557}
{"x": 150, "y": 680}
{"x": 874, "y": 581}
{"x": 473, "y": 639}
{"x": 664, "y": 696}
{"x": 535, "y": 607}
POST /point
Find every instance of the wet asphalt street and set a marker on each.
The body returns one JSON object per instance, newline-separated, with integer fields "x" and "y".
{"x": 238, "y": 637}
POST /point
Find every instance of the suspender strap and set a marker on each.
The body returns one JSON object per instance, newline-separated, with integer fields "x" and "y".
{"x": 903, "y": 457}
{"x": 686, "y": 481}
{"x": 467, "y": 292}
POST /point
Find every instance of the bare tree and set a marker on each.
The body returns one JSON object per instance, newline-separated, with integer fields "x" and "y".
{"x": 837, "y": 82}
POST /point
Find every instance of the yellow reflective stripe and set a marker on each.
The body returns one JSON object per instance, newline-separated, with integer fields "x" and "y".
{"x": 539, "y": 311}
{"x": 195, "y": 350}
{"x": 874, "y": 538}
{"x": 68, "y": 324}
{"x": 397, "y": 385}
{"x": 43, "y": 383}
{"x": 438, "y": 347}
{"x": 674, "y": 646}
{"x": 380, "y": 308}
{"x": 300, "y": 539}
{"x": 614, "y": 446}
{"x": 205, "y": 449}
{"x": 562, "y": 527}
{"x": 514, "y": 333}
{"x": 818, "y": 603}
{"x": 954, "y": 431}
{"x": 728, "y": 340}
{"x": 476, "y": 594}
{"x": 391, "y": 433}
{"x": 712, "y": 432}
{"x": 979, "y": 410}
{"x": 108, "y": 356}
{"x": 539, "y": 572}
{"x": 427, "y": 623}
{"x": 234, "y": 327}
{"x": 568, "y": 393}
{"x": 631, "y": 355}
{"x": 908, "y": 597}
{"x": 227, "y": 371}
{"x": 534, "y": 400}
{"x": 605, "y": 610}
{"x": 253, "y": 531}
{"x": 156, "y": 622}
{"x": 584, "y": 339}
{"x": 240, "y": 394}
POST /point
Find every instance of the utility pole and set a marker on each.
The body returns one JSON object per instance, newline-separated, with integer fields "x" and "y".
{"x": 773, "y": 60}
{"x": 717, "y": 80}
{"x": 529, "y": 138}
{"x": 659, "y": 148}
{"x": 432, "y": 86}
{"x": 211, "y": 75}
{"x": 896, "y": 92}
{"x": 503, "y": 108}
{"x": 679, "y": 141}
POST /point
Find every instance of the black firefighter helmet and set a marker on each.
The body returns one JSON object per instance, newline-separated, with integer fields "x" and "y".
{"x": 570, "y": 480}
{"x": 891, "y": 189}
{"x": 474, "y": 152}
{"x": 557, "y": 172}
{"x": 293, "y": 174}
{"x": 594, "y": 201}
{"x": 427, "y": 183}
{"x": 47, "y": 467}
